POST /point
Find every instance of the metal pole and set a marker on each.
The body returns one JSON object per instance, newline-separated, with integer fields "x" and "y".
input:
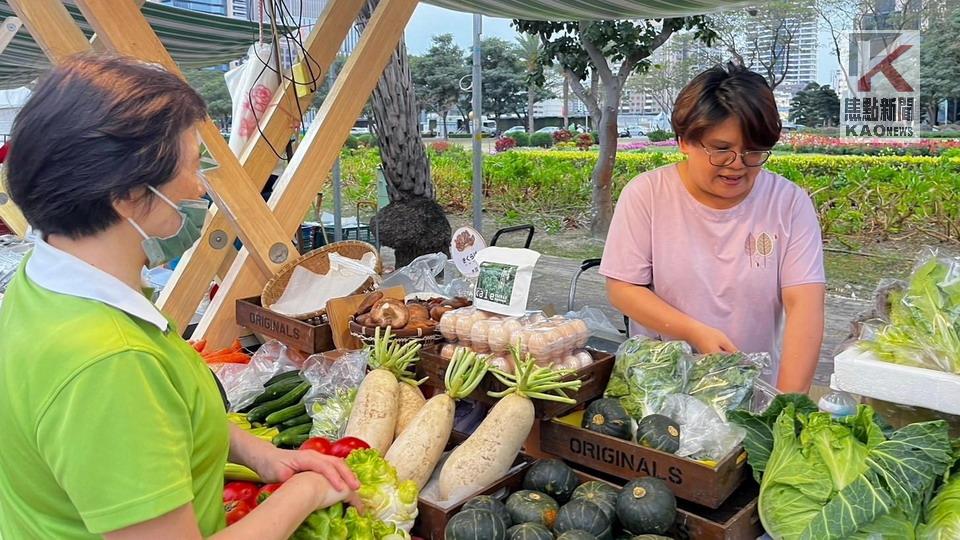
{"x": 476, "y": 131}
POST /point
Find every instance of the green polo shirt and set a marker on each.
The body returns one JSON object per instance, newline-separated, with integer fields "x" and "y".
{"x": 108, "y": 420}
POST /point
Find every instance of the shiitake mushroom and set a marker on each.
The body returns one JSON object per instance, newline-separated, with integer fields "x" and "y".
{"x": 390, "y": 312}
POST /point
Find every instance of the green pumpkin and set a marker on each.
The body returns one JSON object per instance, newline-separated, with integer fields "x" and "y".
{"x": 608, "y": 417}
{"x": 583, "y": 515}
{"x": 553, "y": 477}
{"x": 659, "y": 432}
{"x": 646, "y": 506}
{"x": 529, "y": 531}
{"x": 576, "y": 534}
{"x": 486, "y": 502}
{"x": 599, "y": 493}
{"x": 527, "y": 506}
{"x": 475, "y": 524}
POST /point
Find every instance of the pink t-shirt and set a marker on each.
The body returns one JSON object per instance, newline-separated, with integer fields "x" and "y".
{"x": 724, "y": 268}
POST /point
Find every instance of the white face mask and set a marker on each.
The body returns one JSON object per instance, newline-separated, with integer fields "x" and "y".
{"x": 193, "y": 214}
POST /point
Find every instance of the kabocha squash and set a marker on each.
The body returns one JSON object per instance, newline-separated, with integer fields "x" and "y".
{"x": 553, "y": 477}
{"x": 527, "y": 506}
{"x": 583, "y": 515}
{"x": 529, "y": 531}
{"x": 659, "y": 432}
{"x": 476, "y": 524}
{"x": 576, "y": 534}
{"x": 599, "y": 493}
{"x": 486, "y": 502}
{"x": 646, "y": 506}
{"x": 608, "y": 417}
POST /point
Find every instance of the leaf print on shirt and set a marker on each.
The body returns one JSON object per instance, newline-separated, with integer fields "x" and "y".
{"x": 765, "y": 245}
{"x": 750, "y": 247}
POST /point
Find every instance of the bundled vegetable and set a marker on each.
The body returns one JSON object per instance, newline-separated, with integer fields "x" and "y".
{"x": 375, "y": 411}
{"x": 489, "y": 452}
{"x": 384, "y": 496}
{"x": 827, "y": 478}
{"x": 418, "y": 449}
{"x": 645, "y": 372}
{"x": 924, "y": 325}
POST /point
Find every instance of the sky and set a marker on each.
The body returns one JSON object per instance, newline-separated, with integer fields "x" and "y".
{"x": 428, "y": 21}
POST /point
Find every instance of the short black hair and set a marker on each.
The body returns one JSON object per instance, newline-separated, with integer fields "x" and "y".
{"x": 94, "y": 129}
{"x": 727, "y": 91}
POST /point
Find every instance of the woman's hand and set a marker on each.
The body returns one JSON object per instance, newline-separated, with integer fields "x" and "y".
{"x": 318, "y": 488}
{"x": 278, "y": 465}
{"x": 708, "y": 340}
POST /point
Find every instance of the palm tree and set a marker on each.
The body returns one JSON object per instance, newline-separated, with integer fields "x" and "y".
{"x": 413, "y": 223}
{"x": 530, "y": 55}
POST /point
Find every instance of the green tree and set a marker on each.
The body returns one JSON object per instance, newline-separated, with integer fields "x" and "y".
{"x": 674, "y": 66}
{"x": 939, "y": 61}
{"x": 209, "y": 82}
{"x": 815, "y": 105}
{"x": 436, "y": 76}
{"x": 529, "y": 51}
{"x": 504, "y": 77}
{"x": 590, "y": 50}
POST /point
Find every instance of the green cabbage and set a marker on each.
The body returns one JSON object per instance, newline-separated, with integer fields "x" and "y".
{"x": 382, "y": 495}
{"x": 823, "y": 478}
{"x": 943, "y": 513}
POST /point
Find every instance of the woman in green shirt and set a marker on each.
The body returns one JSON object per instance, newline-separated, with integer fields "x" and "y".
{"x": 113, "y": 425}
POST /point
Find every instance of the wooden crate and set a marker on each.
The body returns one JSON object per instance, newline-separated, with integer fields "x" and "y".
{"x": 690, "y": 480}
{"x": 303, "y": 336}
{"x": 593, "y": 378}
{"x": 737, "y": 519}
{"x": 432, "y": 519}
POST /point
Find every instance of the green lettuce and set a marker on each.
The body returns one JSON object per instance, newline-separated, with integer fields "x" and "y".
{"x": 824, "y": 478}
{"x": 326, "y": 524}
{"x": 383, "y": 496}
{"x": 924, "y": 326}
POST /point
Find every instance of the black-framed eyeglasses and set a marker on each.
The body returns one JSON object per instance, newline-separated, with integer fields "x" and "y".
{"x": 722, "y": 158}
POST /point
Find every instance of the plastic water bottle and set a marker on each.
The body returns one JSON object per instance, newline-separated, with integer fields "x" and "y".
{"x": 838, "y": 403}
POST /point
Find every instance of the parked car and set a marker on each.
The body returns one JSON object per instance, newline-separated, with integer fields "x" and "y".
{"x": 359, "y": 130}
{"x": 623, "y": 131}
{"x": 515, "y": 129}
{"x": 790, "y": 126}
{"x": 550, "y": 130}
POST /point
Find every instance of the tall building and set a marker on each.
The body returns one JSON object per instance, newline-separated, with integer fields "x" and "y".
{"x": 798, "y": 63}
{"x": 239, "y": 9}
{"x": 213, "y": 7}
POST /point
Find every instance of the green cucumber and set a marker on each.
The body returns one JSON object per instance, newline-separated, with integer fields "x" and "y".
{"x": 282, "y": 377}
{"x": 299, "y": 440}
{"x": 277, "y": 390}
{"x": 260, "y": 412}
{"x": 298, "y": 421}
{"x": 283, "y": 415}
{"x": 287, "y": 436}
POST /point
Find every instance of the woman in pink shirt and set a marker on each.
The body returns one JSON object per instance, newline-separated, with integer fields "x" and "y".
{"x": 715, "y": 250}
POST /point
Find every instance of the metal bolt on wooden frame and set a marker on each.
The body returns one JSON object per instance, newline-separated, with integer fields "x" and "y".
{"x": 264, "y": 228}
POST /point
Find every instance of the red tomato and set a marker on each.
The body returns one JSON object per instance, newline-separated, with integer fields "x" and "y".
{"x": 236, "y": 510}
{"x": 344, "y": 446}
{"x": 266, "y": 491}
{"x": 318, "y": 444}
{"x": 241, "y": 491}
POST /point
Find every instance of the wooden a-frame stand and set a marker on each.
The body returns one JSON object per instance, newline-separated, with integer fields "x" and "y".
{"x": 264, "y": 227}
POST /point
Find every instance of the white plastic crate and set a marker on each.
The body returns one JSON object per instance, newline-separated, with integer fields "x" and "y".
{"x": 860, "y": 372}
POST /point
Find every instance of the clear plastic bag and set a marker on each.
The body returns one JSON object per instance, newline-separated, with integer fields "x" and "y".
{"x": 334, "y": 382}
{"x": 244, "y": 383}
{"x": 922, "y": 326}
{"x": 646, "y": 371}
{"x": 703, "y": 433}
{"x": 725, "y": 381}
{"x": 598, "y": 324}
{"x": 420, "y": 276}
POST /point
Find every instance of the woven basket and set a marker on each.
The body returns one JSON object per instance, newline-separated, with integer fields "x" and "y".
{"x": 402, "y": 335}
{"x": 318, "y": 261}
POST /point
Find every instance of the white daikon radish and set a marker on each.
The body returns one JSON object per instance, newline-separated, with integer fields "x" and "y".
{"x": 374, "y": 415}
{"x": 417, "y": 449}
{"x": 488, "y": 453}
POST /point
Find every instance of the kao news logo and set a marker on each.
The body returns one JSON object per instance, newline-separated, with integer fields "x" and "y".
{"x": 883, "y": 99}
